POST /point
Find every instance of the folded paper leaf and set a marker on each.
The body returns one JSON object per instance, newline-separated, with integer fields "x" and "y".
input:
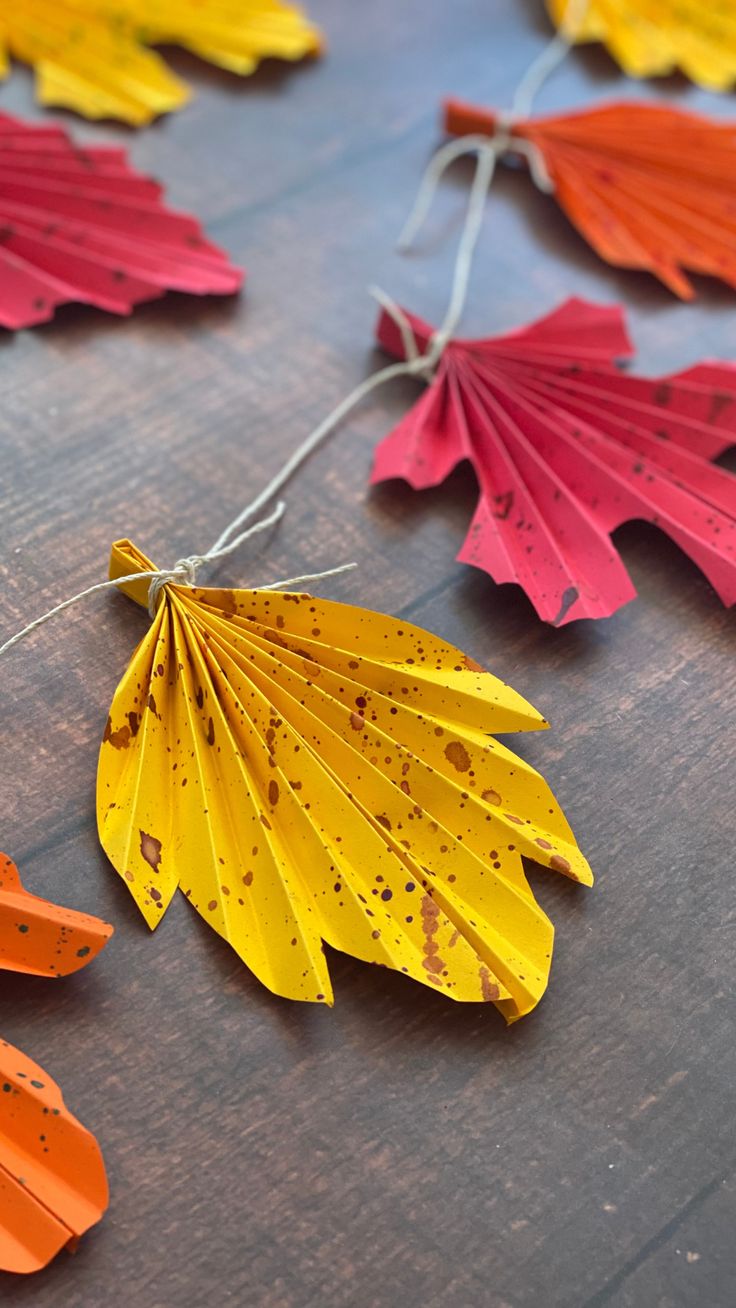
{"x": 52, "y": 1178}
{"x": 90, "y": 55}
{"x": 652, "y": 38}
{"x": 83, "y": 226}
{"x": 53, "y": 1186}
{"x": 648, "y": 187}
{"x": 41, "y": 938}
{"x": 566, "y": 448}
{"x": 311, "y": 772}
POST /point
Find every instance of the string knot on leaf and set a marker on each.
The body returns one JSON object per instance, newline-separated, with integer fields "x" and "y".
{"x": 183, "y": 573}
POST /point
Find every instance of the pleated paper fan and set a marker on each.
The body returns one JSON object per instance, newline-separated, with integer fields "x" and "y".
{"x": 53, "y": 1185}
{"x": 649, "y": 187}
{"x": 91, "y": 56}
{"x": 82, "y": 226}
{"x": 652, "y": 38}
{"x": 566, "y": 448}
{"x": 310, "y": 772}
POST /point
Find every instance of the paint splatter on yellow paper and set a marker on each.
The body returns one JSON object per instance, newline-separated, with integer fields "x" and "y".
{"x": 650, "y": 38}
{"x": 307, "y": 771}
{"x": 90, "y": 55}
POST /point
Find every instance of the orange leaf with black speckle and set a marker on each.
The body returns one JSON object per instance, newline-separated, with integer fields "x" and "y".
{"x": 41, "y": 938}
{"x": 53, "y": 1185}
{"x": 52, "y": 1178}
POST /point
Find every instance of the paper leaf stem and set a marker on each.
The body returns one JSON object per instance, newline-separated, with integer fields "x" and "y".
{"x": 566, "y": 448}
{"x": 307, "y": 771}
{"x": 83, "y": 226}
{"x": 649, "y": 187}
{"x": 90, "y": 55}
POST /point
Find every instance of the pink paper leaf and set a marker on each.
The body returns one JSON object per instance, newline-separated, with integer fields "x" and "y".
{"x": 566, "y": 448}
{"x": 81, "y": 225}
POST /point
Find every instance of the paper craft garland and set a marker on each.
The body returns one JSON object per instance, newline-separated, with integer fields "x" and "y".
{"x": 53, "y": 1186}
{"x": 307, "y": 771}
{"x": 90, "y": 55}
{"x": 653, "y": 38}
{"x": 566, "y": 448}
{"x": 649, "y": 187}
{"x": 81, "y": 225}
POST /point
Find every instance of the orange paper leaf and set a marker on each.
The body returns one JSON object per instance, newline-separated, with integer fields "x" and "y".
{"x": 39, "y": 937}
{"x": 648, "y": 187}
{"x": 52, "y": 1178}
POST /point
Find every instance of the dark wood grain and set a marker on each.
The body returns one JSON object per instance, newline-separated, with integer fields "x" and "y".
{"x": 396, "y": 1150}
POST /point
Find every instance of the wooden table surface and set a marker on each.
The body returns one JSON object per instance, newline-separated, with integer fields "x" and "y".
{"x": 397, "y": 1149}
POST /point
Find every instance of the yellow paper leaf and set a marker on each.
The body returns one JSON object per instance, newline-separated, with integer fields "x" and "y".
{"x": 307, "y": 771}
{"x": 651, "y": 38}
{"x": 90, "y": 55}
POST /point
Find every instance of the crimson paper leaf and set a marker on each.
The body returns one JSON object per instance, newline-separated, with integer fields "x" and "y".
{"x": 83, "y": 226}
{"x": 566, "y": 448}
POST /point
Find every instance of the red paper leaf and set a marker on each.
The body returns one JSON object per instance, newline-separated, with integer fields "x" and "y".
{"x": 81, "y": 225}
{"x": 647, "y": 186}
{"x": 566, "y": 448}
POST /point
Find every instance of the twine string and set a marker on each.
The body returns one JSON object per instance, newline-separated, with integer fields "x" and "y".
{"x": 549, "y": 60}
{"x": 184, "y": 571}
{"x": 503, "y": 140}
{"x": 416, "y": 363}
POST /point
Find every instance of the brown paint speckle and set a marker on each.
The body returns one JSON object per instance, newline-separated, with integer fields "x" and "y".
{"x": 488, "y": 988}
{"x": 471, "y": 664}
{"x": 457, "y": 755}
{"x": 119, "y": 739}
{"x": 151, "y": 850}
{"x": 430, "y": 922}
